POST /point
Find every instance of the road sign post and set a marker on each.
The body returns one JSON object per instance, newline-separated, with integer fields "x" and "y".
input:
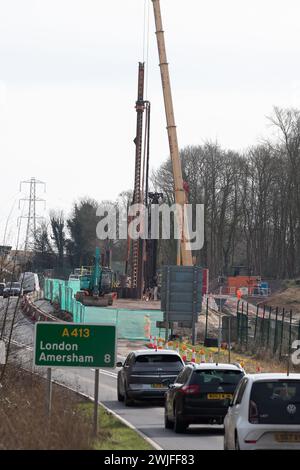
{"x": 206, "y": 320}
{"x": 219, "y": 335}
{"x": 96, "y": 400}
{"x": 220, "y": 301}
{"x": 49, "y": 391}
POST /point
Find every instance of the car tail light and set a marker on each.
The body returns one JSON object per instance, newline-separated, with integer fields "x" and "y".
{"x": 252, "y": 441}
{"x": 190, "y": 389}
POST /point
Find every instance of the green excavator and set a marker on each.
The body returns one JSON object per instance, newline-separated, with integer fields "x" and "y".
{"x": 96, "y": 286}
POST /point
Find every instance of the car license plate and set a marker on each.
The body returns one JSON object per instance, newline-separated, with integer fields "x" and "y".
{"x": 219, "y": 396}
{"x": 157, "y": 385}
{"x": 287, "y": 437}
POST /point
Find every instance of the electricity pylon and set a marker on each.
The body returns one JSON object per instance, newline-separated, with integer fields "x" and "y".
{"x": 32, "y": 200}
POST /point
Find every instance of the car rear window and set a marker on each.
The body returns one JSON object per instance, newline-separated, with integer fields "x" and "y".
{"x": 275, "y": 402}
{"x": 217, "y": 377}
{"x": 158, "y": 358}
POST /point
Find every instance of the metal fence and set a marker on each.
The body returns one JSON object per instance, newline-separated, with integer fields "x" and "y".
{"x": 265, "y": 328}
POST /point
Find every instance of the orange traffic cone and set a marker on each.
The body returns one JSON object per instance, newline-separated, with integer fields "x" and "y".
{"x": 203, "y": 358}
{"x": 193, "y": 356}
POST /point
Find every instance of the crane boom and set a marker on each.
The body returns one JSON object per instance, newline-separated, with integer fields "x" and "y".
{"x": 180, "y": 197}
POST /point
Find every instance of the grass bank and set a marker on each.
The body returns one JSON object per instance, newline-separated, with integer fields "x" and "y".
{"x": 113, "y": 434}
{"x": 24, "y": 423}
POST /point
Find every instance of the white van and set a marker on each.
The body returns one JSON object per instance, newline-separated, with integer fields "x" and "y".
{"x": 30, "y": 282}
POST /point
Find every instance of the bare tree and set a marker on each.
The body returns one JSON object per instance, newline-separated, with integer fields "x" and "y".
{"x": 58, "y": 236}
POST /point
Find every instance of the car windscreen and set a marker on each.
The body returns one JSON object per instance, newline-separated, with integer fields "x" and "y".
{"x": 275, "y": 402}
{"x": 216, "y": 377}
{"x": 158, "y": 360}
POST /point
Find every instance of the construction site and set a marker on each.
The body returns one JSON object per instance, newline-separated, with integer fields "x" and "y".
{"x": 199, "y": 257}
{"x": 129, "y": 292}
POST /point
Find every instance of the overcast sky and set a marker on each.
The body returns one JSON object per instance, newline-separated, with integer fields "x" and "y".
{"x": 68, "y": 84}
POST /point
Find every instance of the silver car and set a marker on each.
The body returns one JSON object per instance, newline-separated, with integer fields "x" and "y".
{"x": 146, "y": 374}
{"x": 13, "y": 289}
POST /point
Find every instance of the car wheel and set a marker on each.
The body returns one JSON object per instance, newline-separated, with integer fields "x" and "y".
{"x": 168, "y": 423}
{"x": 120, "y": 396}
{"x": 127, "y": 401}
{"x": 179, "y": 425}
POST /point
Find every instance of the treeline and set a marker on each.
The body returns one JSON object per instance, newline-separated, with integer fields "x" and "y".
{"x": 251, "y": 202}
{"x": 63, "y": 243}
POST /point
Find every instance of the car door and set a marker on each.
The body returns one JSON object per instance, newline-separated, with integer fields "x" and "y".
{"x": 173, "y": 392}
{"x": 233, "y": 413}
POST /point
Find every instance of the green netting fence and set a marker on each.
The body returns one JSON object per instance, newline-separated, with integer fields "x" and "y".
{"x": 131, "y": 324}
{"x": 268, "y": 328}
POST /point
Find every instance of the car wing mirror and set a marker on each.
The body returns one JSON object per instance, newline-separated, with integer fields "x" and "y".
{"x": 119, "y": 364}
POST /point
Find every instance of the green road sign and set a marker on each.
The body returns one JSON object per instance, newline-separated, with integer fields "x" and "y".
{"x": 75, "y": 345}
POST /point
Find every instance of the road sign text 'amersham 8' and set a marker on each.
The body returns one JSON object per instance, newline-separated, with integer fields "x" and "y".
{"x": 74, "y": 345}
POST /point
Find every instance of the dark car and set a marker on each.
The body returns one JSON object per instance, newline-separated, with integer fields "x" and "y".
{"x": 2, "y": 287}
{"x": 146, "y": 374}
{"x": 201, "y": 395}
{"x": 13, "y": 289}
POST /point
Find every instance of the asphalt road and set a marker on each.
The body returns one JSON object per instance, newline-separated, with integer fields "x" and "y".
{"x": 148, "y": 418}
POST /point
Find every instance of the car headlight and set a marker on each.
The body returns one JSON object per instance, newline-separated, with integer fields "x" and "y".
{"x": 135, "y": 386}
